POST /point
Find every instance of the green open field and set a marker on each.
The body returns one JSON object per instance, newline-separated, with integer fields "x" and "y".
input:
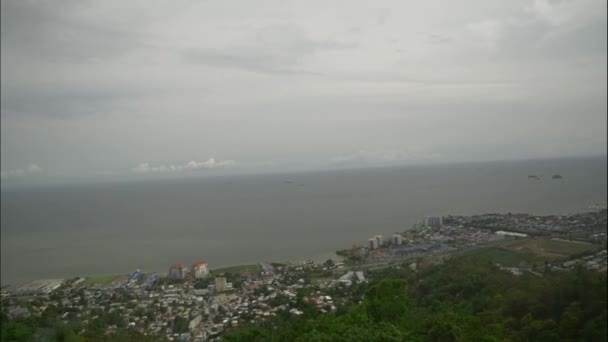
{"x": 318, "y": 277}
{"x": 526, "y": 252}
{"x": 100, "y": 280}
{"x": 549, "y": 248}
{"x": 320, "y": 280}
{"x": 254, "y": 269}
{"x": 508, "y": 257}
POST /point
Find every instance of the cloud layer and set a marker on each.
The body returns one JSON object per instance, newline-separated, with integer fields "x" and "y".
{"x": 284, "y": 85}
{"x": 29, "y": 170}
{"x": 210, "y": 163}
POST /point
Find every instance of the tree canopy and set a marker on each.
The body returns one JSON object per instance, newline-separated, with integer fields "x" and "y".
{"x": 465, "y": 299}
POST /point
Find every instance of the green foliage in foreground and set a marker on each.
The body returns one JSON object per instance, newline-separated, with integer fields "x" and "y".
{"x": 48, "y": 327}
{"x": 466, "y": 299}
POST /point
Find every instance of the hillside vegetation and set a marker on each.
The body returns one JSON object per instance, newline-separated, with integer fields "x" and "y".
{"x": 465, "y": 299}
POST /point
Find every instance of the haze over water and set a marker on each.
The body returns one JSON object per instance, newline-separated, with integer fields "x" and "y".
{"x": 116, "y": 228}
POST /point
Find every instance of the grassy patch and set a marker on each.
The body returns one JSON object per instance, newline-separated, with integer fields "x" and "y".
{"x": 525, "y": 252}
{"x": 549, "y": 248}
{"x": 254, "y": 269}
{"x": 100, "y": 280}
{"x": 566, "y": 247}
{"x": 508, "y": 257}
{"x": 320, "y": 280}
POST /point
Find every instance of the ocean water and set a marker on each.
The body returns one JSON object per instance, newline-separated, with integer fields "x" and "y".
{"x": 116, "y": 228}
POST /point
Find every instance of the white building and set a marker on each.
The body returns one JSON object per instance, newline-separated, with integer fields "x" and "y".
{"x": 200, "y": 270}
{"x": 194, "y": 323}
{"x": 43, "y": 286}
{"x": 397, "y": 239}
{"x": 220, "y": 284}
{"x": 347, "y": 278}
{"x": 433, "y": 221}
{"x": 380, "y": 240}
{"x": 506, "y": 233}
{"x": 373, "y": 243}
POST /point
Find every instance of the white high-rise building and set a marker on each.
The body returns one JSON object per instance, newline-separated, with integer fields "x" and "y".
{"x": 380, "y": 240}
{"x": 200, "y": 270}
{"x": 373, "y": 243}
{"x": 397, "y": 239}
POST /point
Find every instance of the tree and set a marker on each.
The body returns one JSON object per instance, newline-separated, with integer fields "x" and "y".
{"x": 329, "y": 263}
{"x": 571, "y": 320}
{"x": 465, "y": 299}
{"x": 387, "y": 300}
{"x": 202, "y": 283}
{"x": 180, "y": 325}
{"x": 64, "y": 333}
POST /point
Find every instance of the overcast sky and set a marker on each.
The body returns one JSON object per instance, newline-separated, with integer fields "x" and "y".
{"x": 132, "y": 88}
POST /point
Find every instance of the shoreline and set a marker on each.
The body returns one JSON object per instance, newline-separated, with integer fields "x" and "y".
{"x": 317, "y": 258}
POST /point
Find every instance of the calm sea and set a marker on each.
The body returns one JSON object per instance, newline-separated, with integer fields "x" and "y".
{"x": 116, "y": 228}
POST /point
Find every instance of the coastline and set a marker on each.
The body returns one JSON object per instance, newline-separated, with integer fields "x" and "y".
{"x": 318, "y": 259}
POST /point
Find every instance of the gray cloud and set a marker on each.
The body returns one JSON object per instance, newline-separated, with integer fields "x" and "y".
{"x": 273, "y": 49}
{"x": 64, "y": 103}
{"x": 59, "y": 32}
{"x": 285, "y": 85}
{"x": 439, "y": 39}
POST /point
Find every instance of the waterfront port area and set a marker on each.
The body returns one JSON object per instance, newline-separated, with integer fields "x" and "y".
{"x": 194, "y": 302}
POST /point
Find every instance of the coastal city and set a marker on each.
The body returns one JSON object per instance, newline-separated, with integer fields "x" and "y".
{"x": 303, "y": 171}
{"x": 196, "y": 303}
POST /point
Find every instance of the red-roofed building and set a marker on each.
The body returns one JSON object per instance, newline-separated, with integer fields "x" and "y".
{"x": 246, "y": 275}
{"x": 178, "y": 271}
{"x": 200, "y": 269}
